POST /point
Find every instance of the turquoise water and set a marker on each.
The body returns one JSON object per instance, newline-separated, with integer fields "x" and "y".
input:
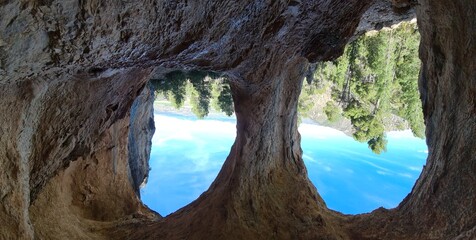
{"x": 187, "y": 154}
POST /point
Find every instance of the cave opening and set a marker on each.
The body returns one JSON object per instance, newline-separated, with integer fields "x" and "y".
{"x": 360, "y": 121}
{"x": 195, "y": 129}
{"x": 370, "y": 94}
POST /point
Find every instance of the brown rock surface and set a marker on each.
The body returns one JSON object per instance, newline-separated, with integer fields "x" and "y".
{"x": 49, "y": 122}
{"x": 401, "y": 3}
{"x": 442, "y": 204}
{"x": 71, "y": 70}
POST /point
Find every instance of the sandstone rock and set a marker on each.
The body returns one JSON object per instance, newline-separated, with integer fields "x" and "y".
{"x": 71, "y": 134}
{"x": 441, "y": 204}
{"x": 49, "y": 123}
{"x": 94, "y": 190}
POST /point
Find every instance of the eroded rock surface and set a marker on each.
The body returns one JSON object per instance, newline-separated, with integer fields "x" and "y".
{"x": 72, "y": 135}
{"x": 385, "y": 14}
{"x": 141, "y": 130}
{"x": 442, "y": 203}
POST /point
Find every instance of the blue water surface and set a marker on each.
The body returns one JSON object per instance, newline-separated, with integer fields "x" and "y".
{"x": 188, "y": 153}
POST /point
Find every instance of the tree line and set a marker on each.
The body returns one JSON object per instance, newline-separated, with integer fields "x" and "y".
{"x": 376, "y": 77}
{"x": 202, "y": 88}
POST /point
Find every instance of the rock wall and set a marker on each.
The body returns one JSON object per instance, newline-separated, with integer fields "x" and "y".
{"x": 441, "y": 204}
{"x": 91, "y": 193}
{"x": 141, "y": 130}
{"x": 50, "y": 122}
{"x": 72, "y": 139}
{"x": 443, "y": 198}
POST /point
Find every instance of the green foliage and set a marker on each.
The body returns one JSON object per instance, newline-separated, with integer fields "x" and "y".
{"x": 407, "y": 68}
{"x": 332, "y": 111}
{"x": 375, "y": 78}
{"x": 366, "y": 124}
{"x": 305, "y": 103}
{"x": 378, "y": 144}
{"x": 201, "y": 88}
{"x": 200, "y": 96}
{"x": 172, "y": 87}
{"x": 225, "y": 100}
{"x": 215, "y": 93}
{"x": 222, "y": 99}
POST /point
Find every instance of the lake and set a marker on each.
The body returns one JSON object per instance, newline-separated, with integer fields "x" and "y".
{"x": 187, "y": 155}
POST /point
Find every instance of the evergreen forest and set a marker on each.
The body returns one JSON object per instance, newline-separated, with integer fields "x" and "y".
{"x": 375, "y": 78}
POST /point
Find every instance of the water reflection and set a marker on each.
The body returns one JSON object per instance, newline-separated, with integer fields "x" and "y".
{"x": 188, "y": 152}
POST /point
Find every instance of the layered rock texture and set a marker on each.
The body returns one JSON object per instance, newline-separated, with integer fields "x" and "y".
{"x": 76, "y": 123}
